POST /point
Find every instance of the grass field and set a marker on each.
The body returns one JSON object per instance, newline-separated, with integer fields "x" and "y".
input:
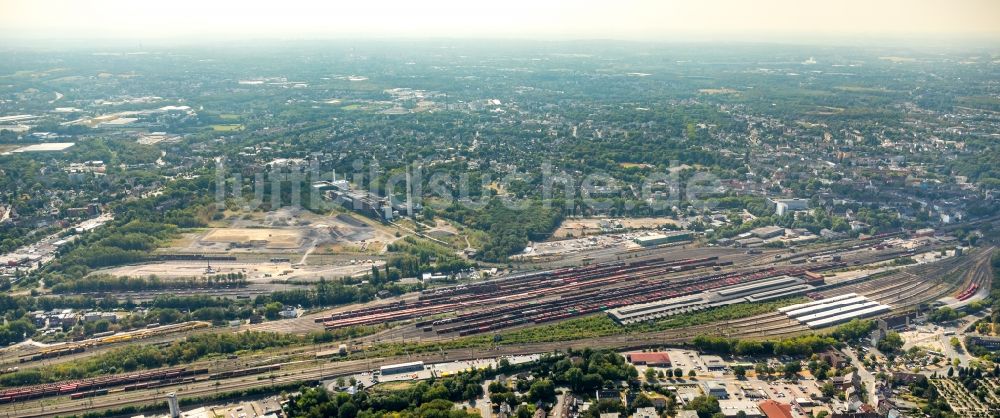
{"x": 227, "y": 128}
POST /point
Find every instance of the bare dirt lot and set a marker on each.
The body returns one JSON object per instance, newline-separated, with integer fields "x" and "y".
{"x": 591, "y": 226}
{"x": 287, "y": 231}
{"x": 255, "y": 272}
{"x": 272, "y": 238}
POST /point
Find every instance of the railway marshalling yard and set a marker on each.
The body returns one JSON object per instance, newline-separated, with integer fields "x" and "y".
{"x": 485, "y": 318}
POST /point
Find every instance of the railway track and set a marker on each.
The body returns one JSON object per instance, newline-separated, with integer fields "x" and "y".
{"x": 765, "y": 325}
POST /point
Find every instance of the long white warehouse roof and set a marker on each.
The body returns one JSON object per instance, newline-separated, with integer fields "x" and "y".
{"x": 727, "y": 291}
{"x": 848, "y": 316}
{"x": 835, "y": 311}
{"x": 824, "y": 306}
{"x": 816, "y": 302}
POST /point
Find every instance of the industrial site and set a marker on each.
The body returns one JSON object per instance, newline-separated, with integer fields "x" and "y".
{"x": 829, "y": 284}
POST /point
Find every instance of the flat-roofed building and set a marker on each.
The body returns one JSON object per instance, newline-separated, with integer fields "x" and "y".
{"x": 663, "y": 238}
{"x": 415, "y": 366}
{"x": 715, "y": 389}
{"x": 784, "y": 206}
{"x": 653, "y": 359}
{"x": 714, "y": 362}
{"x": 766, "y": 232}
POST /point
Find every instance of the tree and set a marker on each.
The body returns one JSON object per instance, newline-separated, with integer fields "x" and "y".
{"x": 642, "y": 401}
{"x": 691, "y": 373}
{"x": 740, "y": 372}
{"x": 762, "y": 369}
{"x": 891, "y": 343}
{"x": 650, "y": 375}
{"x": 472, "y": 391}
{"x": 705, "y": 406}
{"x": 574, "y": 377}
{"x": 348, "y": 410}
{"x": 272, "y": 309}
{"x": 678, "y": 373}
{"x": 792, "y": 369}
{"x": 828, "y": 389}
{"x": 542, "y": 390}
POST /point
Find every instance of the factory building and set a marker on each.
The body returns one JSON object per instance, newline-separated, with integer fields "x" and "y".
{"x": 766, "y": 232}
{"x": 664, "y": 238}
{"x": 834, "y": 311}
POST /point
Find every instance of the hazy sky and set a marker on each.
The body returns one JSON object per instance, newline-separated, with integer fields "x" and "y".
{"x": 587, "y": 19}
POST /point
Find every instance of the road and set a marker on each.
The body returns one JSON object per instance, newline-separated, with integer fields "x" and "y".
{"x": 866, "y": 377}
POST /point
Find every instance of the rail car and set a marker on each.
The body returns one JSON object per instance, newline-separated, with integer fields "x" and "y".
{"x": 89, "y": 394}
{"x": 84, "y": 385}
{"x": 51, "y": 353}
{"x": 968, "y": 292}
{"x": 243, "y": 372}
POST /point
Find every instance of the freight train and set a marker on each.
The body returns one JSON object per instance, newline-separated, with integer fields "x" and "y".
{"x": 244, "y": 372}
{"x": 94, "y": 383}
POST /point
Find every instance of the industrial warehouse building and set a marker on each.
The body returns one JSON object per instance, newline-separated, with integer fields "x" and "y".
{"x": 415, "y": 366}
{"x": 663, "y": 238}
{"x": 766, "y": 232}
{"x": 751, "y": 288}
{"x": 835, "y": 310}
{"x": 652, "y": 359}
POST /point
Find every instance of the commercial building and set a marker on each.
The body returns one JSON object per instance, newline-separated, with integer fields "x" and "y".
{"x": 714, "y": 363}
{"x": 783, "y": 206}
{"x": 775, "y": 409}
{"x": 415, "y": 366}
{"x": 715, "y": 389}
{"x": 737, "y": 407}
{"x": 653, "y": 359}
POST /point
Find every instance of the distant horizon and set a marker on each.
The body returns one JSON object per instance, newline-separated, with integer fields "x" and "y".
{"x": 915, "y": 43}
{"x": 850, "y": 22}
